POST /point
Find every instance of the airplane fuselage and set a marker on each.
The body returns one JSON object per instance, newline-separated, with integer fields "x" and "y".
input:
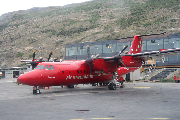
{"x": 70, "y": 73}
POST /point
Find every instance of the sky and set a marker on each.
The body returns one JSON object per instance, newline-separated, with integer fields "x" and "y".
{"x": 15, "y": 5}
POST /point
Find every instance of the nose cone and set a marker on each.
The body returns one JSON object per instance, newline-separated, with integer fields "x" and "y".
{"x": 21, "y": 79}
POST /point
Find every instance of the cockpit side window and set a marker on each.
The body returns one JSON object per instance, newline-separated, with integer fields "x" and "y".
{"x": 51, "y": 67}
{"x": 46, "y": 67}
{"x": 40, "y": 67}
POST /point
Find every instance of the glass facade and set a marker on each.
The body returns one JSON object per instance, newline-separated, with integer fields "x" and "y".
{"x": 110, "y": 48}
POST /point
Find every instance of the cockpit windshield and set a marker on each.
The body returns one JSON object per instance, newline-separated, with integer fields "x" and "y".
{"x": 45, "y": 67}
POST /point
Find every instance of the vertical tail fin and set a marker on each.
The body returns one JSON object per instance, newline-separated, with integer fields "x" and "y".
{"x": 135, "y": 45}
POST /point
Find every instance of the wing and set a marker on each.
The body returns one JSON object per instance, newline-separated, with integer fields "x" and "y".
{"x": 156, "y": 54}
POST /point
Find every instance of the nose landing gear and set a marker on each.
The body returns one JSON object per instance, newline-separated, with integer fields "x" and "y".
{"x": 36, "y": 90}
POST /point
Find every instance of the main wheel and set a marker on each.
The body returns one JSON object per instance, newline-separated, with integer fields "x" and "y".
{"x": 176, "y": 81}
{"x": 112, "y": 86}
{"x": 70, "y": 86}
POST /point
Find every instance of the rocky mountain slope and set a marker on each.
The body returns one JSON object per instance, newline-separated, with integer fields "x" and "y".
{"x": 49, "y": 29}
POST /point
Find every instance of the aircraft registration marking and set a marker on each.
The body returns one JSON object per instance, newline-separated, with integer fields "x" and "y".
{"x": 79, "y": 77}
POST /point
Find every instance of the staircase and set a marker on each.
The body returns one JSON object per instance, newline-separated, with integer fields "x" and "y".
{"x": 162, "y": 74}
{"x": 176, "y": 73}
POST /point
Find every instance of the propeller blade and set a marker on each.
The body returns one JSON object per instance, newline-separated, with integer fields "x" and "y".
{"x": 112, "y": 64}
{"x": 122, "y": 63}
{"x": 123, "y": 50}
{"x": 50, "y": 56}
{"x": 33, "y": 55}
{"x": 33, "y": 64}
{"x": 90, "y": 68}
{"x": 89, "y": 61}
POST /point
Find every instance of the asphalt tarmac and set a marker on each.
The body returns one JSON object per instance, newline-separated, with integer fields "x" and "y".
{"x": 137, "y": 101}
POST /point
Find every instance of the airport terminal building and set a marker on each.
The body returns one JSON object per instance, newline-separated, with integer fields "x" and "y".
{"x": 154, "y": 42}
{"x": 13, "y": 72}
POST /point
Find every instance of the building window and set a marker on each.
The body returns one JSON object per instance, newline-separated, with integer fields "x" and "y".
{"x": 95, "y": 49}
{"x": 154, "y": 44}
{"x": 121, "y": 45}
{"x": 82, "y": 50}
{"x": 143, "y": 45}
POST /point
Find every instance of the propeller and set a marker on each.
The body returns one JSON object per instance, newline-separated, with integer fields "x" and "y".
{"x": 35, "y": 63}
{"x": 118, "y": 57}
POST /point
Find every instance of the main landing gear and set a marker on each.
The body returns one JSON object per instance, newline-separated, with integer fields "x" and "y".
{"x": 112, "y": 86}
{"x": 36, "y": 90}
{"x": 114, "y": 82}
{"x": 70, "y": 86}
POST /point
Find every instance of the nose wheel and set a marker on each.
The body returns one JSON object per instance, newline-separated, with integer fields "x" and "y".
{"x": 36, "y": 90}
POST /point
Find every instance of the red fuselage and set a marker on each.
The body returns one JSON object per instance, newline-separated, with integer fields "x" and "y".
{"x": 70, "y": 73}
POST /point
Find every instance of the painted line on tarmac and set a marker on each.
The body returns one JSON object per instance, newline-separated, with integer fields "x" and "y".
{"x": 159, "y": 118}
{"x": 103, "y": 118}
{"x": 78, "y": 119}
{"x": 142, "y": 87}
{"x": 120, "y": 118}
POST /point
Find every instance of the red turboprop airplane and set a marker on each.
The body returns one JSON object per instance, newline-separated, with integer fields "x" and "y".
{"x": 92, "y": 70}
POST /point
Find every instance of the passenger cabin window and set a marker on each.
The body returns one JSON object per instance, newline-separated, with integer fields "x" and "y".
{"x": 46, "y": 67}
{"x": 40, "y": 67}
